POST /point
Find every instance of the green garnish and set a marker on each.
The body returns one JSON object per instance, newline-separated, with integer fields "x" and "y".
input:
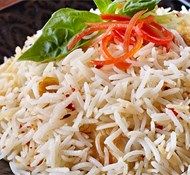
{"x": 133, "y": 6}
{"x": 103, "y": 5}
{"x": 127, "y": 7}
{"x": 66, "y": 23}
{"x": 59, "y": 30}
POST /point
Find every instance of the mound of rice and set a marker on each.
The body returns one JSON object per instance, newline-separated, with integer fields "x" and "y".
{"x": 69, "y": 118}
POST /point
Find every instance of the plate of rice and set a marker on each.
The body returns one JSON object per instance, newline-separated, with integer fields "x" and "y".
{"x": 100, "y": 92}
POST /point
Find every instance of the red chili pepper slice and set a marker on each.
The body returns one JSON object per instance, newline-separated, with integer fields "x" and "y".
{"x": 71, "y": 107}
{"x": 115, "y": 17}
{"x": 173, "y": 110}
{"x": 154, "y": 33}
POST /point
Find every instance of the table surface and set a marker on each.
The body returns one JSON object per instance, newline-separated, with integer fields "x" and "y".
{"x": 20, "y": 20}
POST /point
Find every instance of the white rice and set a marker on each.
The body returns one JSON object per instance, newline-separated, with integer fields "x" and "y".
{"x": 133, "y": 122}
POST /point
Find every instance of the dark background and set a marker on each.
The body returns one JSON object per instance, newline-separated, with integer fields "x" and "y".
{"x": 25, "y": 18}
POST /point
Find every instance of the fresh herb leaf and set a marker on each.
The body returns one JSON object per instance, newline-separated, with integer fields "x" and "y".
{"x": 127, "y": 7}
{"x": 58, "y": 31}
{"x": 102, "y": 5}
{"x": 106, "y": 6}
{"x": 133, "y": 6}
{"x": 112, "y": 7}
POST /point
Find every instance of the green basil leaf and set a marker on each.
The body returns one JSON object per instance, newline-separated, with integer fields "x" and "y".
{"x": 58, "y": 31}
{"x": 112, "y": 7}
{"x": 102, "y": 5}
{"x": 133, "y": 6}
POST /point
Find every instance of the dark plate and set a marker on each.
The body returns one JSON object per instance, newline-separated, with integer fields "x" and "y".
{"x": 25, "y": 18}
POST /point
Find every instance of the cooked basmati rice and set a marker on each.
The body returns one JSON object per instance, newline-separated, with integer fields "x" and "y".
{"x": 98, "y": 121}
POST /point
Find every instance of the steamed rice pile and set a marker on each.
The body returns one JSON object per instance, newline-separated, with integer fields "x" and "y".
{"x": 97, "y": 121}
